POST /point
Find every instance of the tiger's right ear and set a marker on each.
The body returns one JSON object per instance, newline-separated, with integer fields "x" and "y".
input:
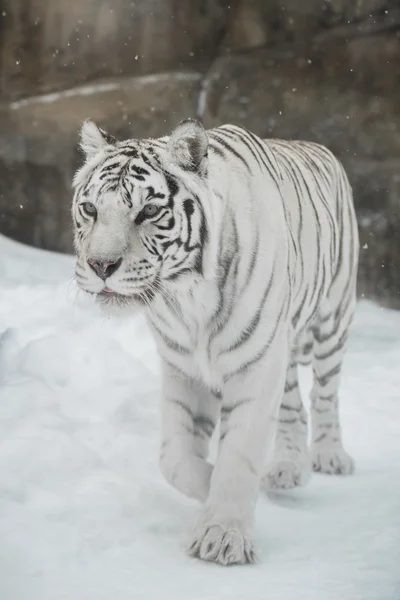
{"x": 93, "y": 139}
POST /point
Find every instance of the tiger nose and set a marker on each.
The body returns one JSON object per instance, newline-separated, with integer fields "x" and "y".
{"x": 104, "y": 268}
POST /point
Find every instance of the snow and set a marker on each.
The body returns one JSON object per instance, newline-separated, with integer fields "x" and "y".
{"x": 84, "y": 512}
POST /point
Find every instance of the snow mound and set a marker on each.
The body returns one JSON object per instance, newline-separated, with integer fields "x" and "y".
{"x": 84, "y": 512}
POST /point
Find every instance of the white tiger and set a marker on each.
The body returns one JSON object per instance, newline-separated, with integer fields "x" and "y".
{"x": 243, "y": 254}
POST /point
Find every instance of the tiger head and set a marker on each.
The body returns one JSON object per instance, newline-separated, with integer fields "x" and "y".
{"x": 141, "y": 214}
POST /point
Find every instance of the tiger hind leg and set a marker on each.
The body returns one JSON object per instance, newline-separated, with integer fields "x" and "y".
{"x": 290, "y": 466}
{"x": 330, "y": 337}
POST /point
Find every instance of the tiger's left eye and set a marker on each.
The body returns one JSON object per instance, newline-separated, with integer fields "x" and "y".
{"x": 89, "y": 209}
{"x": 150, "y": 210}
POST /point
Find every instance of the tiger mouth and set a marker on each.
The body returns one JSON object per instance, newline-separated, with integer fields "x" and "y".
{"x": 142, "y": 297}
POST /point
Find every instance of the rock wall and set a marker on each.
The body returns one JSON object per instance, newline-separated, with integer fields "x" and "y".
{"x": 49, "y": 45}
{"x": 325, "y": 71}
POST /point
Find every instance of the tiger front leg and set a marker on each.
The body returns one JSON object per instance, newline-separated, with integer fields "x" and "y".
{"x": 189, "y": 415}
{"x": 248, "y": 422}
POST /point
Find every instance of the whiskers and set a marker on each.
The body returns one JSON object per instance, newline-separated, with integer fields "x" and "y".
{"x": 128, "y": 300}
{"x": 73, "y": 288}
{"x": 75, "y": 292}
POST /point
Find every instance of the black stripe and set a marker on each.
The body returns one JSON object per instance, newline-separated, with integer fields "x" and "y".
{"x": 312, "y": 166}
{"x": 204, "y": 423}
{"x": 244, "y": 140}
{"x": 188, "y": 207}
{"x": 289, "y": 387}
{"x": 289, "y": 408}
{"x": 263, "y": 147}
{"x": 182, "y": 405}
{"x": 323, "y": 380}
{"x": 253, "y": 259}
{"x": 288, "y": 421}
{"x": 176, "y": 274}
{"x": 336, "y": 348}
{"x": 251, "y": 327}
{"x": 217, "y": 150}
{"x": 318, "y": 289}
{"x": 297, "y": 315}
{"x": 170, "y": 225}
{"x": 172, "y": 344}
{"x": 228, "y": 147}
{"x": 226, "y": 263}
{"x": 260, "y": 353}
{"x": 306, "y": 348}
{"x": 139, "y": 170}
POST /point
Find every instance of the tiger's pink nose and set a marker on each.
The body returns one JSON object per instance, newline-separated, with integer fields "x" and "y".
{"x": 104, "y": 268}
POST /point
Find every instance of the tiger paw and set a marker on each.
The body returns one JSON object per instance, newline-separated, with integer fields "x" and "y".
{"x": 332, "y": 461}
{"x": 222, "y": 544}
{"x": 286, "y": 473}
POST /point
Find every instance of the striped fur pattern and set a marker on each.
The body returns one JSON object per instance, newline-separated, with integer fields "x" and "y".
{"x": 243, "y": 254}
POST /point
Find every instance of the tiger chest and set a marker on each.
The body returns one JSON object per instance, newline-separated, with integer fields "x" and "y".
{"x": 195, "y": 358}
{"x": 183, "y": 339}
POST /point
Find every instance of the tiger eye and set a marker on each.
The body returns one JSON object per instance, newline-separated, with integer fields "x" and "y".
{"x": 89, "y": 209}
{"x": 150, "y": 210}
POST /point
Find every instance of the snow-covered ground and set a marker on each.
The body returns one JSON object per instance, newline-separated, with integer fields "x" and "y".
{"x": 84, "y": 512}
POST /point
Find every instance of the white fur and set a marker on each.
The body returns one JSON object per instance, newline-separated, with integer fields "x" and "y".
{"x": 278, "y": 276}
{"x": 179, "y": 145}
{"x": 92, "y": 140}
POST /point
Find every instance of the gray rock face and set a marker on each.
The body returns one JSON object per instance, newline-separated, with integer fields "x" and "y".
{"x": 322, "y": 71}
{"x": 48, "y": 45}
{"x": 38, "y": 146}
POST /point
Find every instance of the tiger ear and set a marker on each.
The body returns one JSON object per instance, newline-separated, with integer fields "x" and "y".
{"x": 187, "y": 146}
{"x": 93, "y": 139}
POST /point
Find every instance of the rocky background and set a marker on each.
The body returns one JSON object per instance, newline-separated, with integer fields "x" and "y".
{"x": 323, "y": 70}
